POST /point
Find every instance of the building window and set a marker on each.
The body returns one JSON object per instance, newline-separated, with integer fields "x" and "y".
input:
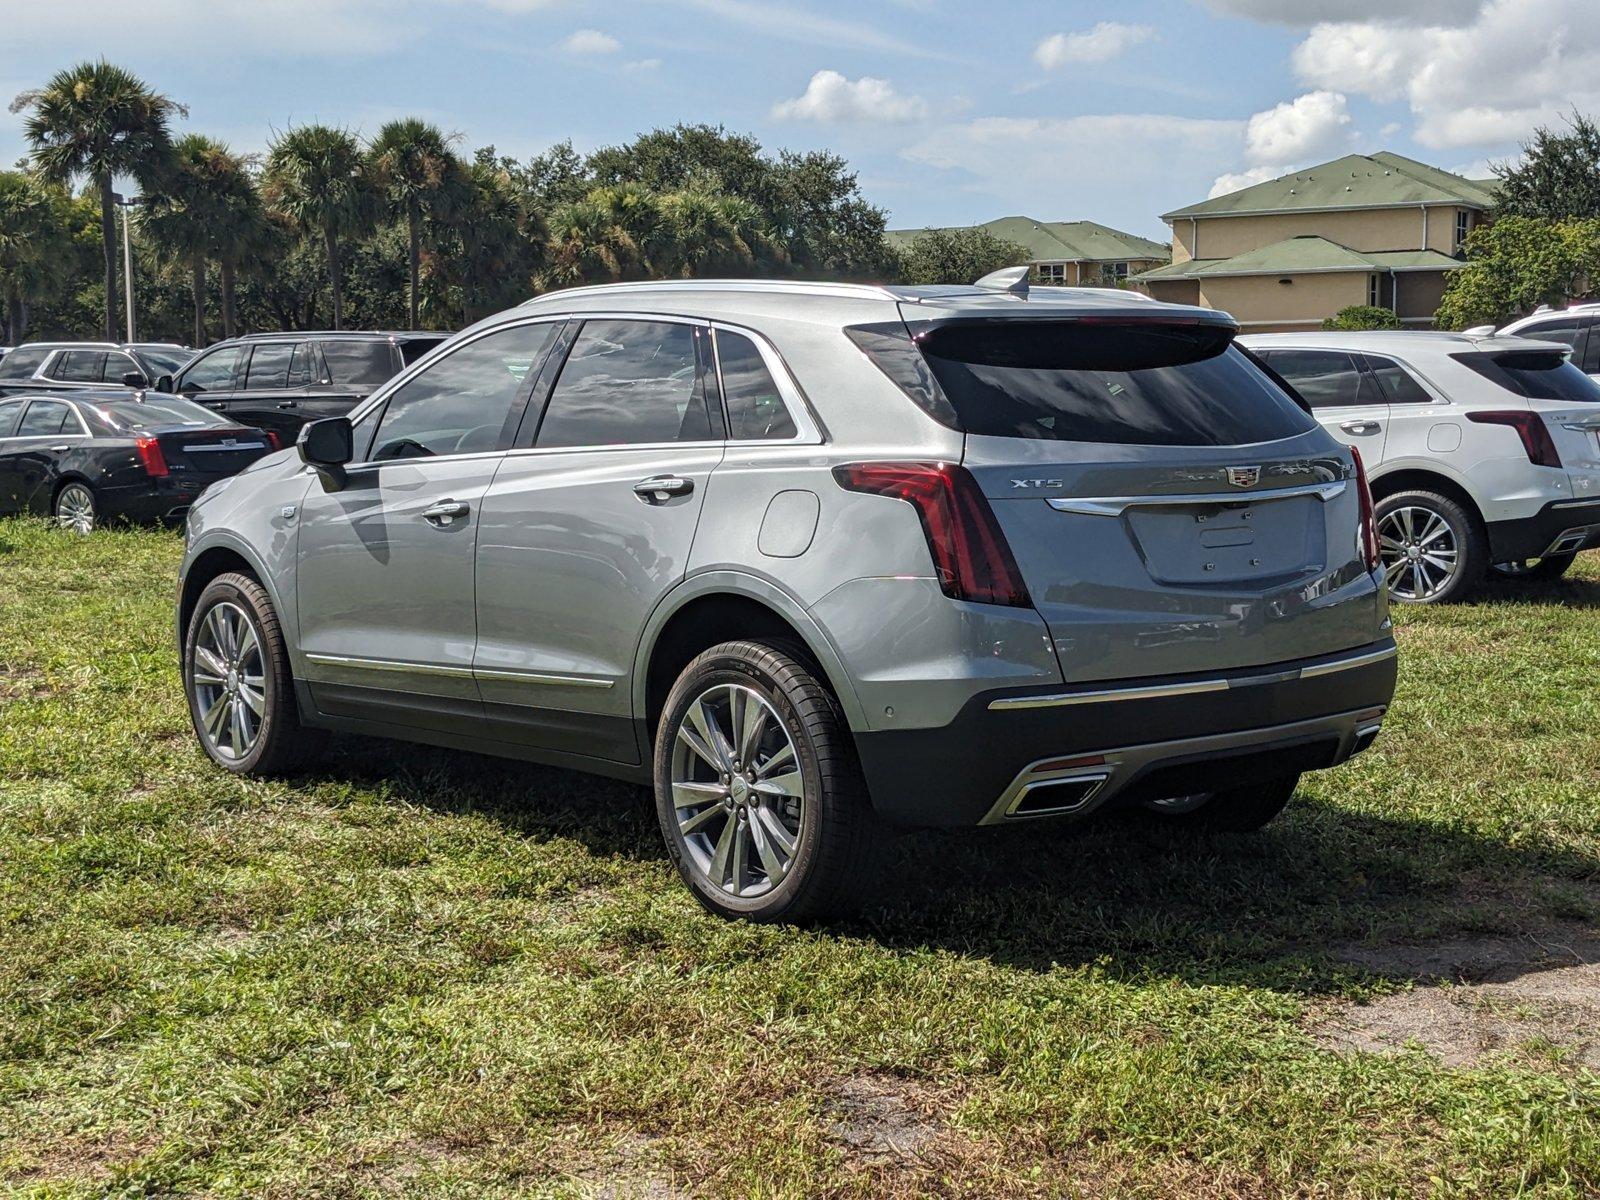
{"x": 1052, "y": 273}
{"x": 1372, "y": 290}
{"x": 1113, "y": 272}
{"x": 1463, "y": 226}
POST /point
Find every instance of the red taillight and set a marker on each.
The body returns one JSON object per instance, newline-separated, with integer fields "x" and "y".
{"x": 273, "y": 440}
{"x": 1530, "y": 427}
{"x": 155, "y": 463}
{"x": 970, "y": 554}
{"x": 1369, "y": 520}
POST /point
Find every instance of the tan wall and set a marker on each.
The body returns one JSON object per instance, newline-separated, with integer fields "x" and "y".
{"x": 1254, "y": 299}
{"x": 1420, "y": 293}
{"x": 1360, "y": 229}
{"x": 1173, "y": 291}
{"x": 1079, "y": 274}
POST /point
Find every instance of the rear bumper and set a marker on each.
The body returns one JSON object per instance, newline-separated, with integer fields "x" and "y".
{"x": 159, "y": 499}
{"x": 1556, "y": 528}
{"x": 1043, "y": 752}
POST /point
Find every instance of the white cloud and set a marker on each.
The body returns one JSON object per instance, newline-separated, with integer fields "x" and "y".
{"x": 1234, "y": 181}
{"x": 1105, "y": 41}
{"x": 1306, "y": 127}
{"x": 1516, "y": 64}
{"x": 831, "y": 97}
{"x": 591, "y": 41}
{"x": 1305, "y": 13}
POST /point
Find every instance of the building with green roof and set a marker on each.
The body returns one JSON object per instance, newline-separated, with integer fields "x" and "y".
{"x": 1065, "y": 252}
{"x": 1287, "y": 253}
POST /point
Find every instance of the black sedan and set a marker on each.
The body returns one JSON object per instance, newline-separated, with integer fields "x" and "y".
{"x": 92, "y": 457}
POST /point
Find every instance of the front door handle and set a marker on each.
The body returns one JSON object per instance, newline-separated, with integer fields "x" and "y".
{"x": 658, "y": 488}
{"x": 444, "y": 512}
{"x": 59, "y": 449}
{"x": 1360, "y": 427}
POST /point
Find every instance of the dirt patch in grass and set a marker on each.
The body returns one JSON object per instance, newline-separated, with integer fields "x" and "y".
{"x": 631, "y": 1170}
{"x": 1480, "y": 998}
{"x": 883, "y": 1116}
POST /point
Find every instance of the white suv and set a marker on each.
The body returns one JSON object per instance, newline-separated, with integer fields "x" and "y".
{"x": 1483, "y": 452}
{"x": 1570, "y": 326}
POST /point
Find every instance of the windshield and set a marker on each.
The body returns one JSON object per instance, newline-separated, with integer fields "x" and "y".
{"x": 153, "y": 413}
{"x": 165, "y": 361}
{"x": 1535, "y": 374}
{"x": 1131, "y": 383}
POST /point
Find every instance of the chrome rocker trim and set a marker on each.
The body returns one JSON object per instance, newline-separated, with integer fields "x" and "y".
{"x": 494, "y": 674}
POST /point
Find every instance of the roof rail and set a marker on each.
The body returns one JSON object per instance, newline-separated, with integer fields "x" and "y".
{"x": 871, "y": 291}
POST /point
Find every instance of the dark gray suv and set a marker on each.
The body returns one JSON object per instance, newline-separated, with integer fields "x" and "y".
{"x": 812, "y": 559}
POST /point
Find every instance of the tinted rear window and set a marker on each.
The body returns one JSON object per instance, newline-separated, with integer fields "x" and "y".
{"x": 153, "y": 413}
{"x": 358, "y": 364}
{"x": 22, "y": 362}
{"x": 1133, "y": 384}
{"x": 1536, "y": 375}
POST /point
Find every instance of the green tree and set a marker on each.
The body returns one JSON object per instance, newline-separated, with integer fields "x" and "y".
{"x": 1558, "y": 177}
{"x": 493, "y": 242}
{"x": 181, "y": 216}
{"x": 707, "y": 234}
{"x": 1363, "y": 316}
{"x": 1517, "y": 264}
{"x": 410, "y": 160}
{"x": 317, "y": 177}
{"x": 36, "y": 253}
{"x": 96, "y": 121}
{"x": 957, "y": 256}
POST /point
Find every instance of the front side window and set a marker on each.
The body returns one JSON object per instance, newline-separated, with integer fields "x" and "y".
{"x": 1326, "y": 378}
{"x": 1151, "y": 384}
{"x": 22, "y": 362}
{"x": 117, "y": 365}
{"x": 79, "y": 366}
{"x": 46, "y": 417}
{"x": 358, "y": 364}
{"x": 1399, "y": 385}
{"x": 629, "y": 383}
{"x": 459, "y": 405}
{"x": 756, "y": 411}
{"x": 212, "y": 372}
{"x": 269, "y": 367}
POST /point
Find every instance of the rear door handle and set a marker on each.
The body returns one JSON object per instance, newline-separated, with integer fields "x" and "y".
{"x": 443, "y": 512}
{"x": 288, "y": 404}
{"x": 59, "y": 449}
{"x": 658, "y": 488}
{"x": 1360, "y": 427}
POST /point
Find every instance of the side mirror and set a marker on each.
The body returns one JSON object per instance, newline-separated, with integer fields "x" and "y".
{"x": 134, "y": 379}
{"x": 164, "y": 383}
{"x": 327, "y": 446}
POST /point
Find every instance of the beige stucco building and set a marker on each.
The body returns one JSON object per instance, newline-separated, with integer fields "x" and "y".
{"x": 1069, "y": 253}
{"x": 1286, "y": 254}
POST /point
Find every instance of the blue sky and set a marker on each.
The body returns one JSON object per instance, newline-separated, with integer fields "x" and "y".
{"x": 952, "y": 112}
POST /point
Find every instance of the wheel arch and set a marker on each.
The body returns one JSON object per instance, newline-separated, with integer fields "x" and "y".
{"x": 726, "y": 606}
{"x": 217, "y": 559}
{"x": 1422, "y": 479}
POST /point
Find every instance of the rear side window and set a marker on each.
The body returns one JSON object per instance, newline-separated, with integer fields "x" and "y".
{"x": 358, "y": 364}
{"x": 278, "y": 365}
{"x": 22, "y": 362}
{"x": 79, "y": 366}
{"x": 1326, "y": 378}
{"x": 1398, "y": 384}
{"x": 45, "y": 417}
{"x": 10, "y": 410}
{"x": 1144, "y": 384}
{"x": 629, "y": 383}
{"x": 1569, "y": 331}
{"x": 1536, "y": 375}
{"x": 756, "y": 411}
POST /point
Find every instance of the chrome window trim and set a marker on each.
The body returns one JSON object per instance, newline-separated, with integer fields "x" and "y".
{"x": 494, "y": 674}
{"x": 83, "y": 429}
{"x": 1192, "y": 687}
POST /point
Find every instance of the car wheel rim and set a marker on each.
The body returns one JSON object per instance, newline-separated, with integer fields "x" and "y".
{"x": 227, "y": 678}
{"x": 1421, "y": 554}
{"x": 738, "y": 794}
{"x": 75, "y": 509}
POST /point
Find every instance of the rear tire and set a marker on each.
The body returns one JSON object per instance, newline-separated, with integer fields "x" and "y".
{"x": 237, "y": 679}
{"x": 74, "y": 508}
{"x": 1434, "y": 551}
{"x": 1531, "y": 570}
{"x": 1236, "y": 810}
{"x": 758, "y": 791}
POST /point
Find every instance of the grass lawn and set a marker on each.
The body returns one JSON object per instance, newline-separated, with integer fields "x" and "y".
{"x": 414, "y": 972}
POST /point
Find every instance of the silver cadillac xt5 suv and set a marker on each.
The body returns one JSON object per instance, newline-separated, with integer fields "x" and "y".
{"x": 813, "y": 560}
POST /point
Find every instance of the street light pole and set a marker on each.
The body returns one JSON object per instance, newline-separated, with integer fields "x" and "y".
{"x": 125, "y": 203}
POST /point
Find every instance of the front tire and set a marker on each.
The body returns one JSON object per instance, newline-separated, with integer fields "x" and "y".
{"x": 74, "y": 508}
{"x": 1235, "y": 810}
{"x": 239, "y": 686}
{"x": 1433, "y": 549}
{"x": 758, "y": 792}
{"x": 1532, "y": 570}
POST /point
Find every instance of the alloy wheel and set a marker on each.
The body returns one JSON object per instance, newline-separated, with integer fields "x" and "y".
{"x": 1420, "y": 551}
{"x": 738, "y": 794}
{"x": 227, "y": 678}
{"x": 75, "y": 508}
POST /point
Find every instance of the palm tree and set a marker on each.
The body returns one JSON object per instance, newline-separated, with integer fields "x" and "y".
{"x": 97, "y": 121}
{"x": 712, "y": 234}
{"x": 182, "y": 214}
{"x": 243, "y": 232}
{"x": 410, "y": 162}
{"x": 317, "y": 177}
